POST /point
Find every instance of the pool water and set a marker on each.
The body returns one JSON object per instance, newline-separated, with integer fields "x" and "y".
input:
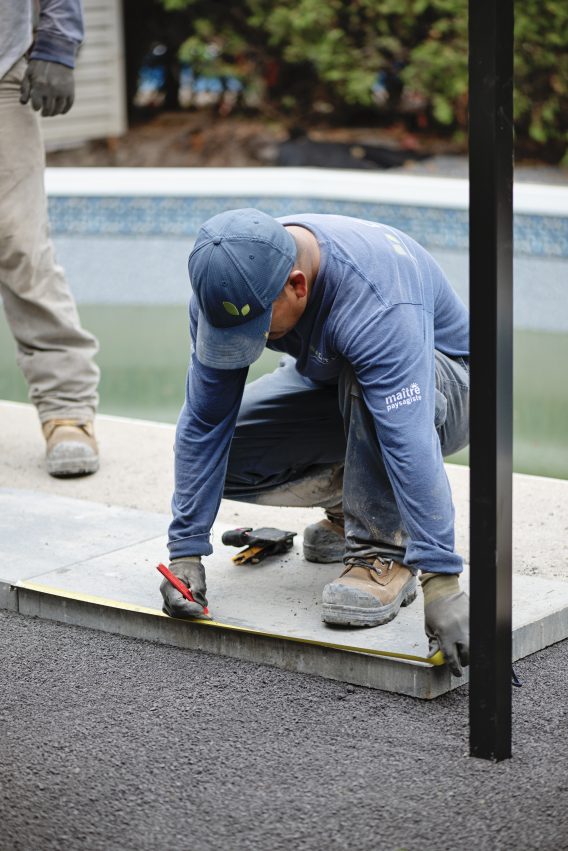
{"x": 144, "y": 353}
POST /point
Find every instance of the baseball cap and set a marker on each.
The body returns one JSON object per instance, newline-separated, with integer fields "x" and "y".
{"x": 239, "y": 264}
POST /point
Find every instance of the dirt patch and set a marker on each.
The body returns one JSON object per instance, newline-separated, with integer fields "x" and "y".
{"x": 176, "y": 140}
{"x": 204, "y": 139}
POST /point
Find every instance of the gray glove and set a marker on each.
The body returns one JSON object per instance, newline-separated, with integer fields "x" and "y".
{"x": 446, "y": 619}
{"x": 192, "y": 573}
{"x": 50, "y": 86}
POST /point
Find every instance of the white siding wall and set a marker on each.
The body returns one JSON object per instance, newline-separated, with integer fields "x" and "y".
{"x": 99, "y": 110}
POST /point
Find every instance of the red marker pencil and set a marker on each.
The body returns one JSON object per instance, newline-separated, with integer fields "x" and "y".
{"x": 178, "y": 584}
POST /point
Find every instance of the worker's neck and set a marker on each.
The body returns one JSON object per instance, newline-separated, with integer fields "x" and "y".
{"x": 308, "y": 253}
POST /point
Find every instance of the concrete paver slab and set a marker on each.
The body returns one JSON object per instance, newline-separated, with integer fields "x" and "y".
{"x": 40, "y": 533}
{"x": 270, "y": 612}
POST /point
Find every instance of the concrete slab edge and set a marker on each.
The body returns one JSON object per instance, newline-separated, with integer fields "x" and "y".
{"x": 533, "y": 637}
{"x": 8, "y": 597}
{"x": 386, "y": 674}
{"x": 347, "y": 666}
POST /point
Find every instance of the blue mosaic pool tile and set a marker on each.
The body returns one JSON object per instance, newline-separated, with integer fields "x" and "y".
{"x": 537, "y": 235}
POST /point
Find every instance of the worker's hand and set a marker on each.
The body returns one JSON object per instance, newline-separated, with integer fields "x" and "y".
{"x": 49, "y": 85}
{"x": 446, "y": 619}
{"x": 192, "y": 573}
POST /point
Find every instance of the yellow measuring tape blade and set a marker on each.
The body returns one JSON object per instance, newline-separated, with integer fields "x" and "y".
{"x": 435, "y": 660}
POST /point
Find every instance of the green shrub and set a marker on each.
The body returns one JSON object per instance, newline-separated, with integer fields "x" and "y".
{"x": 301, "y": 54}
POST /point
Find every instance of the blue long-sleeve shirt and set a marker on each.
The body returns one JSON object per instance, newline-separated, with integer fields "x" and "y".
{"x": 381, "y": 303}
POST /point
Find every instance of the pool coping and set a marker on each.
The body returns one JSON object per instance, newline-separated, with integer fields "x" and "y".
{"x": 324, "y": 184}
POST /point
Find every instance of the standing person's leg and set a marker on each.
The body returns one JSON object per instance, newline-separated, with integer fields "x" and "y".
{"x": 289, "y": 443}
{"x": 55, "y": 354}
{"x": 375, "y": 582}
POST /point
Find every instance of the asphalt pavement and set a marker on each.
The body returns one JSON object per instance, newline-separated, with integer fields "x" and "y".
{"x": 113, "y": 744}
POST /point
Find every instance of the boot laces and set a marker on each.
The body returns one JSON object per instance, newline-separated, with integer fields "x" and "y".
{"x": 355, "y": 561}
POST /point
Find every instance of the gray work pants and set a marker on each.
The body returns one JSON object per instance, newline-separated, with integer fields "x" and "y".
{"x": 55, "y": 354}
{"x": 300, "y": 444}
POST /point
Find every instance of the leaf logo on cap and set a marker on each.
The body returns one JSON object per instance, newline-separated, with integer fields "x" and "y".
{"x": 234, "y": 311}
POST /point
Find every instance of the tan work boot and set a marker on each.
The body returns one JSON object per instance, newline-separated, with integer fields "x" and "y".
{"x": 369, "y": 592}
{"x": 71, "y": 448}
{"x": 324, "y": 542}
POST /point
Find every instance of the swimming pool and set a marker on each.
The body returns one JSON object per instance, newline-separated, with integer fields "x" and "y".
{"x": 124, "y": 235}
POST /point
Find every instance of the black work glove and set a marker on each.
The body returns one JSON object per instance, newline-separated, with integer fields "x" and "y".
{"x": 50, "y": 85}
{"x": 192, "y": 573}
{"x": 446, "y": 619}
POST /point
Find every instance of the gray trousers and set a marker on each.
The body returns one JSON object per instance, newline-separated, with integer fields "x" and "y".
{"x": 299, "y": 444}
{"x": 55, "y": 354}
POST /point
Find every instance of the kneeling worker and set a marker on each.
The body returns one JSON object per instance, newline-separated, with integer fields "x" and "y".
{"x": 372, "y": 391}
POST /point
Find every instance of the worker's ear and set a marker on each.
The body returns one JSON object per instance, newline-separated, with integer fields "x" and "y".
{"x": 299, "y": 283}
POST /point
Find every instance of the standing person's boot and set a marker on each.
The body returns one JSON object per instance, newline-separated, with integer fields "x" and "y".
{"x": 71, "y": 448}
{"x": 324, "y": 542}
{"x": 369, "y": 592}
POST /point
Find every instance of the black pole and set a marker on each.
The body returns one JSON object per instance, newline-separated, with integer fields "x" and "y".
{"x": 491, "y": 327}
